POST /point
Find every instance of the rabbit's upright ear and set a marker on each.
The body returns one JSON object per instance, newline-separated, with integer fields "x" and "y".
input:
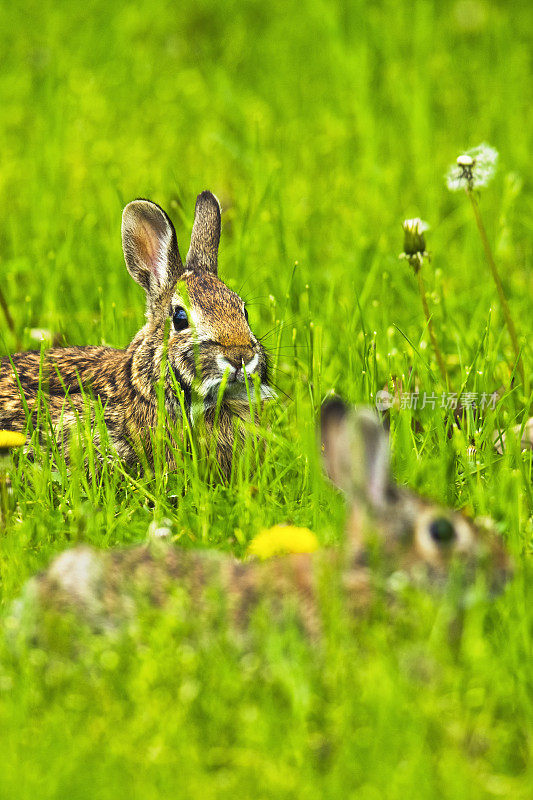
{"x": 150, "y": 247}
{"x": 205, "y": 237}
{"x": 335, "y": 450}
{"x": 356, "y": 453}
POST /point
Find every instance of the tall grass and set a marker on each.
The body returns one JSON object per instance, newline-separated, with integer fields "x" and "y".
{"x": 320, "y": 126}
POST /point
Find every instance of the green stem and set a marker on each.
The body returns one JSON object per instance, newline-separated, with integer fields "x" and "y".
{"x": 4, "y": 507}
{"x": 7, "y": 314}
{"x": 495, "y": 274}
{"x": 431, "y": 330}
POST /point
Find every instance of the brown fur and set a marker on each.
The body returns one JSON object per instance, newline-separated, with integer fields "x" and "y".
{"x": 388, "y": 535}
{"x": 107, "y": 588}
{"x": 217, "y": 339}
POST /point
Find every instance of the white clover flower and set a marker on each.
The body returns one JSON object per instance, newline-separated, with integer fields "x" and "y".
{"x": 473, "y": 169}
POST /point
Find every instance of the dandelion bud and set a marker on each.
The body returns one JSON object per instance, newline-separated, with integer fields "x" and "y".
{"x": 414, "y": 242}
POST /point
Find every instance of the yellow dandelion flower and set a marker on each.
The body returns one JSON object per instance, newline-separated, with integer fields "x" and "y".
{"x": 282, "y": 539}
{"x": 11, "y": 439}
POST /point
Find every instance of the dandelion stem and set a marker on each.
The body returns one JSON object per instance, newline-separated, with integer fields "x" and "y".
{"x": 7, "y": 313}
{"x": 4, "y": 502}
{"x": 9, "y": 319}
{"x": 431, "y": 330}
{"x": 495, "y": 274}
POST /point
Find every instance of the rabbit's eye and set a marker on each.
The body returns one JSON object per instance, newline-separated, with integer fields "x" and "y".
{"x": 442, "y": 530}
{"x": 179, "y": 319}
{"x": 245, "y": 313}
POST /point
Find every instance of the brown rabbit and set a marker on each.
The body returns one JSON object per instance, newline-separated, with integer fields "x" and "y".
{"x": 209, "y": 340}
{"x": 411, "y": 535}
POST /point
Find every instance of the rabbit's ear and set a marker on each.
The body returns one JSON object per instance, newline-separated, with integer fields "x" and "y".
{"x": 335, "y": 449}
{"x": 203, "y": 251}
{"x": 356, "y": 453}
{"x": 150, "y": 246}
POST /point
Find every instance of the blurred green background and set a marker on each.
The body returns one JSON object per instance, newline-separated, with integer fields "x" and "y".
{"x": 320, "y": 126}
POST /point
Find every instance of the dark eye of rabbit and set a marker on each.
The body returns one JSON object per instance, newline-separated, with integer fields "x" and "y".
{"x": 246, "y": 314}
{"x": 441, "y": 530}
{"x": 179, "y": 319}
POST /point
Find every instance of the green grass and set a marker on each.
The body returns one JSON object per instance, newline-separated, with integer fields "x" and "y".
{"x": 320, "y": 126}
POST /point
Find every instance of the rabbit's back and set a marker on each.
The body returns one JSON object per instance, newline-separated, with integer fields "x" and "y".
{"x": 68, "y": 381}
{"x": 106, "y": 589}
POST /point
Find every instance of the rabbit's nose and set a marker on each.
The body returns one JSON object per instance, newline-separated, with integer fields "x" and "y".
{"x": 237, "y": 356}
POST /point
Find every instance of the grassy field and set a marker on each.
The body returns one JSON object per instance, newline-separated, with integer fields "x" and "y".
{"x": 320, "y": 126}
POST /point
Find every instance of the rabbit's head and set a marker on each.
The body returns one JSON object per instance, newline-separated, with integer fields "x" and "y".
{"x": 209, "y": 339}
{"x": 409, "y": 535}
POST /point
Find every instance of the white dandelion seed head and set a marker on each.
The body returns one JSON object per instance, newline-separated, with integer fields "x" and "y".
{"x": 473, "y": 169}
{"x": 455, "y": 179}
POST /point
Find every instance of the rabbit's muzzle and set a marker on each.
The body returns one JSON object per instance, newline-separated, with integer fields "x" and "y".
{"x": 233, "y": 365}
{"x": 236, "y": 359}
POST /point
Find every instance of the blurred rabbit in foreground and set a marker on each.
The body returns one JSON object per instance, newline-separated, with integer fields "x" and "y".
{"x": 389, "y": 531}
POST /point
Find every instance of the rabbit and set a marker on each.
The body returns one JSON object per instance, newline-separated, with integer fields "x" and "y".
{"x": 209, "y": 340}
{"x": 413, "y": 536}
